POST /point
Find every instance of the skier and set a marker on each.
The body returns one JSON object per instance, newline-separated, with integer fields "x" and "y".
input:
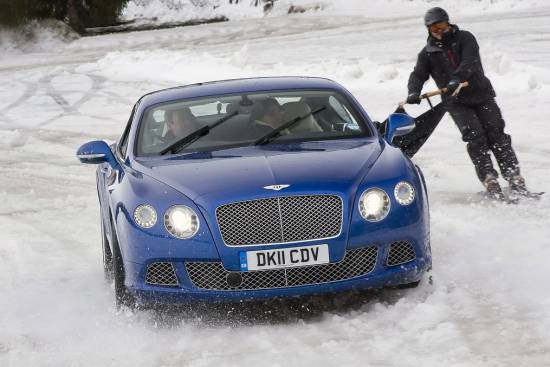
{"x": 450, "y": 57}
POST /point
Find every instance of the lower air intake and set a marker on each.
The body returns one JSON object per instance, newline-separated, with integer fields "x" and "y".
{"x": 213, "y": 276}
{"x": 161, "y": 273}
{"x": 401, "y": 252}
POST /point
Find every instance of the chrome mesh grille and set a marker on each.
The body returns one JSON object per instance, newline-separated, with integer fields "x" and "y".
{"x": 280, "y": 220}
{"x": 250, "y": 222}
{"x": 401, "y": 252}
{"x": 310, "y": 217}
{"x": 161, "y": 273}
{"x": 213, "y": 276}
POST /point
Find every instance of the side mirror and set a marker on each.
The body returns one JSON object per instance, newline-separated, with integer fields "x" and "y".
{"x": 398, "y": 124}
{"x": 96, "y": 152}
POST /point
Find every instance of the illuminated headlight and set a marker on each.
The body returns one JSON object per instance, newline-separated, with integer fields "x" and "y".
{"x": 404, "y": 193}
{"x": 374, "y": 205}
{"x": 181, "y": 221}
{"x": 145, "y": 216}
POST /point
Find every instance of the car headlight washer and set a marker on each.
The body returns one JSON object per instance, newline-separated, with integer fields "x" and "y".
{"x": 145, "y": 216}
{"x": 374, "y": 204}
{"x": 181, "y": 221}
{"x": 404, "y": 193}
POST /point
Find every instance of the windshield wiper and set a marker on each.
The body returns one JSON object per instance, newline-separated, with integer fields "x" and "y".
{"x": 195, "y": 135}
{"x": 277, "y": 131}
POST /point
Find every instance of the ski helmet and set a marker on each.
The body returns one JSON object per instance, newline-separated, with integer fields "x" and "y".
{"x": 435, "y": 15}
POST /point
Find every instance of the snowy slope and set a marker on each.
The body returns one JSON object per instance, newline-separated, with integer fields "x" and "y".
{"x": 490, "y": 298}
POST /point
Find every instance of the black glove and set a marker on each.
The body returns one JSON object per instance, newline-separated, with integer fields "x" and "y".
{"x": 413, "y": 98}
{"x": 451, "y": 86}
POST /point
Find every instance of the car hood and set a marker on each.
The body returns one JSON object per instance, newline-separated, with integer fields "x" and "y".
{"x": 239, "y": 173}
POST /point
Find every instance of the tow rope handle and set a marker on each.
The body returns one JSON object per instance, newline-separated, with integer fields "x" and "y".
{"x": 438, "y": 92}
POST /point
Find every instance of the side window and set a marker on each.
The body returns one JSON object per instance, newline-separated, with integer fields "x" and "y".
{"x": 207, "y": 109}
{"x": 123, "y": 142}
{"x": 349, "y": 122}
{"x": 340, "y": 110}
{"x": 159, "y": 116}
{"x": 283, "y": 100}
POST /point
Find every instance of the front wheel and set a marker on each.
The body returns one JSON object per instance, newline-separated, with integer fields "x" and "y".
{"x": 107, "y": 254}
{"x": 123, "y": 298}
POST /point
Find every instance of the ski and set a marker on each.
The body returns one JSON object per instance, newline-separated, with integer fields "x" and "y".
{"x": 485, "y": 196}
{"x": 526, "y": 195}
{"x": 509, "y": 197}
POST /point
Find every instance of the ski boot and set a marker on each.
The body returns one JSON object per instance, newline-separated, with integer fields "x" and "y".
{"x": 494, "y": 191}
{"x": 517, "y": 185}
{"x": 518, "y": 188}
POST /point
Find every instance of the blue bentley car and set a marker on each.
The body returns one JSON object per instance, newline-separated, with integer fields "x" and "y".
{"x": 256, "y": 189}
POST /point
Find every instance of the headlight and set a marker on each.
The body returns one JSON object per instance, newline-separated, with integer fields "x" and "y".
{"x": 374, "y": 205}
{"x": 145, "y": 216}
{"x": 404, "y": 193}
{"x": 181, "y": 221}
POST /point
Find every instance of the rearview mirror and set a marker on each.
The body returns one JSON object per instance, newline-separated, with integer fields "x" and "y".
{"x": 96, "y": 152}
{"x": 398, "y": 124}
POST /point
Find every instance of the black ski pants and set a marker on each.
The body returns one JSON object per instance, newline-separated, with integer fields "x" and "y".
{"x": 482, "y": 128}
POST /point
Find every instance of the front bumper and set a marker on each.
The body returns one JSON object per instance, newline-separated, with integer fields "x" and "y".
{"x": 141, "y": 250}
{"x": 189, "y": 289}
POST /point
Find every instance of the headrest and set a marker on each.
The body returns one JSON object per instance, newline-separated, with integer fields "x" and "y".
{"x": 231, "y": 108}
{"x": 185, "y": 112}
{"x": 295, "y": 109}
{"x": 261, "y": 107}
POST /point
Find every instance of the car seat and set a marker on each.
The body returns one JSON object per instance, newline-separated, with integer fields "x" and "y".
{"x": 291, "y": 110}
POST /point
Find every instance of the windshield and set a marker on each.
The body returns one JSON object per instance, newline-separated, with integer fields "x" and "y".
{"x": 247, "y": 119}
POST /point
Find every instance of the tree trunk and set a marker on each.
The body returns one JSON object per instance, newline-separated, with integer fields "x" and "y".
{"x": 72, "y": 16}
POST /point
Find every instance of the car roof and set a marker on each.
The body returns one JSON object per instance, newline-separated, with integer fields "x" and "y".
{"x": 247, "y": 85}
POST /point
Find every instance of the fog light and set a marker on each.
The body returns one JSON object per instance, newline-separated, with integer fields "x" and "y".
{"x": 234, "y": 280}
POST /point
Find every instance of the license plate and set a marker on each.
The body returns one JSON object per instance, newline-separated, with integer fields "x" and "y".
{"x": 284, "y": 257}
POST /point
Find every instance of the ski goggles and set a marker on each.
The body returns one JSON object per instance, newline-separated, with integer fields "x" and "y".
{"x": 438, "y": 27}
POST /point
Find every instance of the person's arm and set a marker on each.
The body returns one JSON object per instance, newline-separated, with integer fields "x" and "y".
{"x": 420, "y": 74}
{"x": 470, "y": 61}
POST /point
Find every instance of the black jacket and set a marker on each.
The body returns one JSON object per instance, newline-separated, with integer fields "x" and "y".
{"x": 454, "y": 57}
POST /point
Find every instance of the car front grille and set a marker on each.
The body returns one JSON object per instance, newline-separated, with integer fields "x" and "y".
{"x": 161, "y": 273}
{"x": 280, "y": 220}
{"x": 213, "y": 276}
{"x": 401, "y": 252}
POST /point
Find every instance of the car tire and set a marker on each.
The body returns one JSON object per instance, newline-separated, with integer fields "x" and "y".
{"x": 107, "y": 255}
{"x": 123, "y": 298}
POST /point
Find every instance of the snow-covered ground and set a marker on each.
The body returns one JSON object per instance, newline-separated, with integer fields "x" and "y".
{"x": 490, "y": 298}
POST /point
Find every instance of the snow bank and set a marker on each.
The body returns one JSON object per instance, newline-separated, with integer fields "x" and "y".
{"x": 168, "y": 10}
{"x": 183, "y": 10}
{"x": 164, "y": 67}
{"x": 37, "y": 36}
{"x": 181, "y": 68}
